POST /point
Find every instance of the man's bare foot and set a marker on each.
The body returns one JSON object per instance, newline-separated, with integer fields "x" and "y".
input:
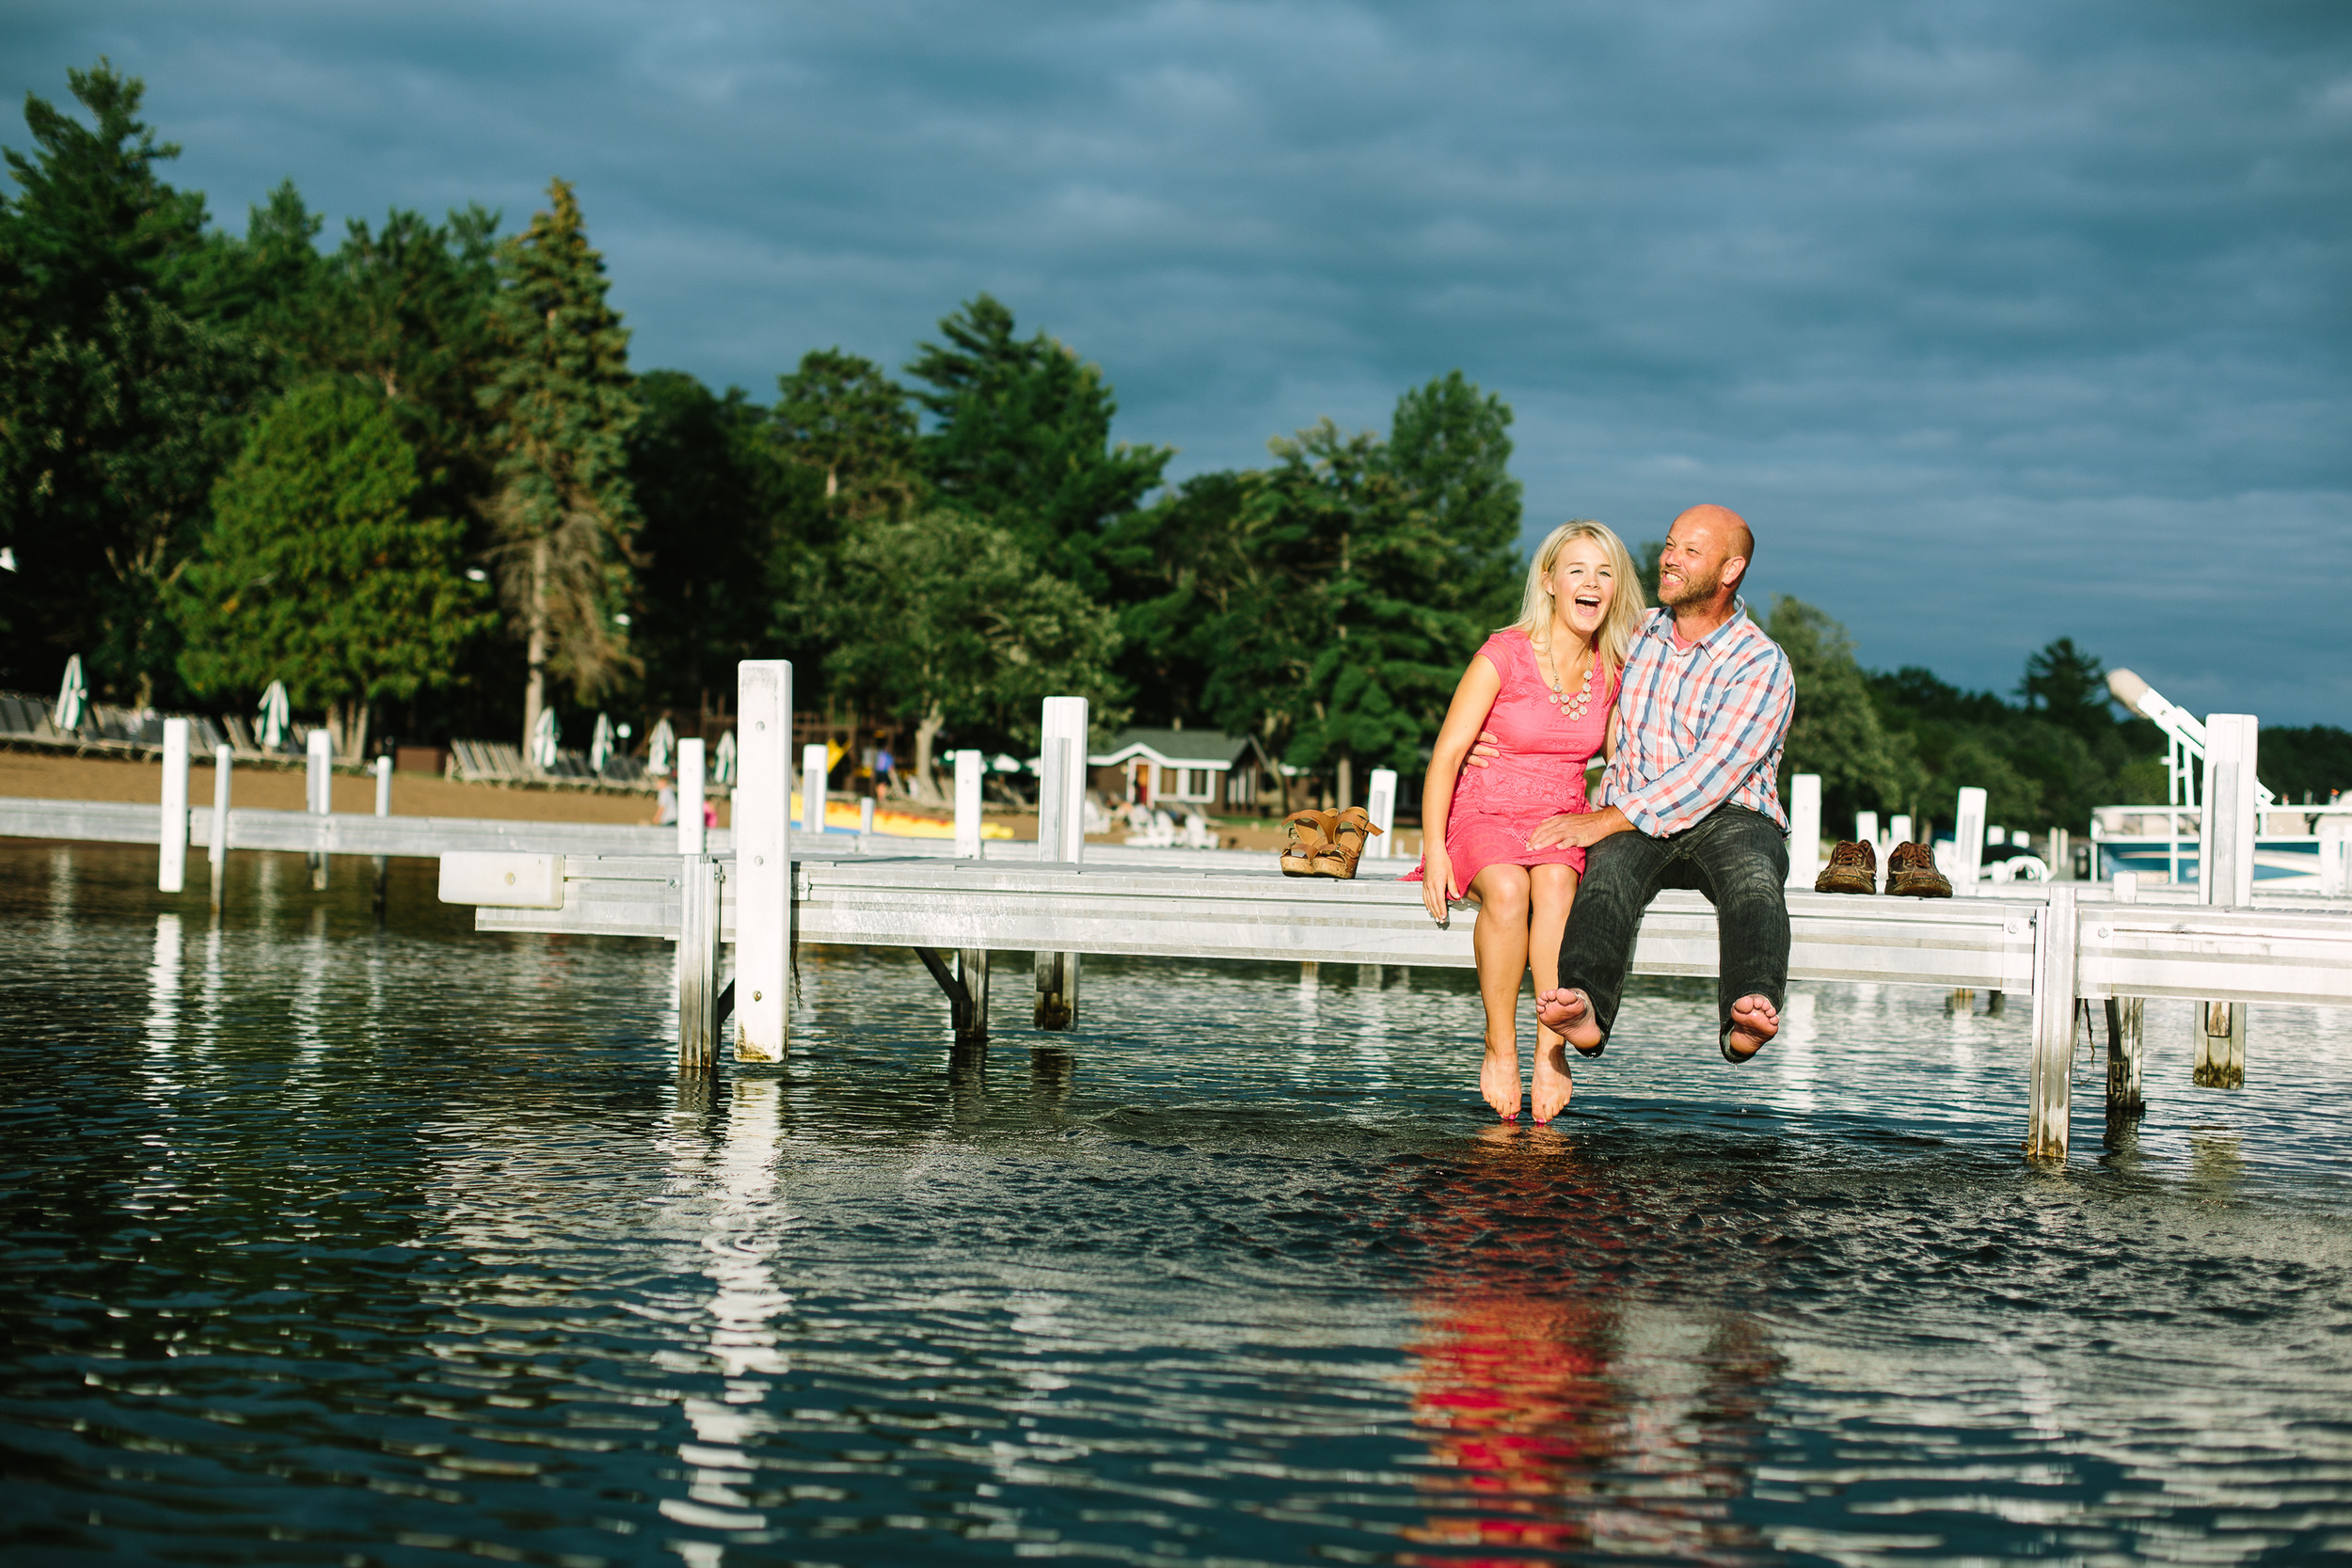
{"x": 1499, "y": 1077}
{"x": 1552, "y": 1084}
{"x": 1753, "y": 1021}
{"x": 1570, "y": 1014}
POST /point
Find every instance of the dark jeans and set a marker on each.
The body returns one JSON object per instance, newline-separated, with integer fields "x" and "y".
{"x": 1733, "y": 855}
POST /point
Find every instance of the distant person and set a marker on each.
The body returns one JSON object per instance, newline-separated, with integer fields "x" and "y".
{"x": 1542, "y": 688}
{"x": 710, "y": 812}
{"x": 665, "y": 806}
{"x": 1692, "y": 798}
{"x": 884, "y": 768}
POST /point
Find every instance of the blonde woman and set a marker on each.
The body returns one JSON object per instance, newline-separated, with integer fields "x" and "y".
{"x": 1546, "y": 686}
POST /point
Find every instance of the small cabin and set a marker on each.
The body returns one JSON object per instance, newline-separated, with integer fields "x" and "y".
{"x": 1206, "y": 771}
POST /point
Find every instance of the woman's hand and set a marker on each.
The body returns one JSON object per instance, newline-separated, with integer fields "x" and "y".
{"x": 1436, "y": 881}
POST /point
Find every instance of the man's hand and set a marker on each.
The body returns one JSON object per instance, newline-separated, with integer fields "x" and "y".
{"x": 1489, "y": 746}
{"x": 1583, "y": 830}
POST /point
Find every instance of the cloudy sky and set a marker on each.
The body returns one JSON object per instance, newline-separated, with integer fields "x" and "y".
{"x": 2001, "y": 321}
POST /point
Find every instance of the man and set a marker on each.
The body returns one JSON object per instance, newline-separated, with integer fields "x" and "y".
{"x": 1692, "y": 797}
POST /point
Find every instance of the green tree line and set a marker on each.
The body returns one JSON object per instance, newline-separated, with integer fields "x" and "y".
{"x": 413, "y": 475}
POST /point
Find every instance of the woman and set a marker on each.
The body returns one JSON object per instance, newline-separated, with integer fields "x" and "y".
{"x": 1547, "y": 686}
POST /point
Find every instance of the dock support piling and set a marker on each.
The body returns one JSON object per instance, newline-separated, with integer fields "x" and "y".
{"x": 2127, "y": 1099}
{"x": 2225, "y": 876}
{"x": 171, "y": 855}
{"x": 2219, "y": 1046}
{"x": 698, "y": 964}
{"x": 2056, "y": 948}
{"x": 216, "y": 853}
{"x": 1060, "y": 836}
{"x": 763, "y": 865}
{"x": 963, "y": 978}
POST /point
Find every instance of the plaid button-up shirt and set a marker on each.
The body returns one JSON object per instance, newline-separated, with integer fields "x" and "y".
{"x": 1702, "y": 725}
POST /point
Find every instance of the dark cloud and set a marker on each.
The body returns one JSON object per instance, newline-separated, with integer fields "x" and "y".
{"x": 2000, "y": 320}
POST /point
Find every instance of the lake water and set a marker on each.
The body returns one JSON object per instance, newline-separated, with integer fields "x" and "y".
{"x": 338, "y": 1243}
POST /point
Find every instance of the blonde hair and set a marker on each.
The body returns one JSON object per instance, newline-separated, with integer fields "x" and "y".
{"x": 1614, "y": 641}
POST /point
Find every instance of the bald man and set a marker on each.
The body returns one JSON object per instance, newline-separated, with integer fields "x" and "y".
{"x": 1693, "y": 797}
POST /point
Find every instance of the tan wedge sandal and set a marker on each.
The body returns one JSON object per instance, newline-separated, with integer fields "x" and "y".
{"x": 1346, "y": 834}
{"x": 1311, "y": 836}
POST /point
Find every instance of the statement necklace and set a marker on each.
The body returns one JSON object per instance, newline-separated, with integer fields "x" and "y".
{"x": 1571, "y": 708}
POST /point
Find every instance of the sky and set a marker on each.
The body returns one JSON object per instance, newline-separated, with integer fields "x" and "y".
{"x": 2000, "y": 322}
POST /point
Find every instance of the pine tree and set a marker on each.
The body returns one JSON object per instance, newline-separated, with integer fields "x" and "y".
{"x": 717, "y": 498}
{"x": 317, "y": 571}
{"x": 117, "y": 410}
{"x": 1023, "y": 439}
{"x": 840, "y": 415}
{"x": 563, "y": 404}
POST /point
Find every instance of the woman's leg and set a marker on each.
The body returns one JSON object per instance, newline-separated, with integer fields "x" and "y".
{"x": 1552, "y": 892}
{"x": 1500, "y": 942}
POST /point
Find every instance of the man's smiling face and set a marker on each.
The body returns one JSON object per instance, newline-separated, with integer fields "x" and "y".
{"x": 1702, "y": 546}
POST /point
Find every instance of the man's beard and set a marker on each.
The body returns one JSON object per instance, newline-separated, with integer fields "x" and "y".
{"x": 1691, "y": 593}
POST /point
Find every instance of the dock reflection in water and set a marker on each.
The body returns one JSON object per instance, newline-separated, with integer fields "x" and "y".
{"x": 333, "y": 1242}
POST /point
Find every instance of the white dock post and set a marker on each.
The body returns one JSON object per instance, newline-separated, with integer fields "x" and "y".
{"x": 1381, "y": 805}
{"x": 2225, "y": 876}
{"x": 1805, "y": 829}
{"x": 970, "y": 767}
{"x": 217, "y": 852}
{"x": 813, "y": 770}
{"x": 382, "y": 808}
{"x": 1061, "y": 836}
{"x": 689, "y": 797}
{"x": 318, "y": 783}
{"x": 763, "y": 868}
{"x": 1898, "y": 829}
{"x": 319, "y": 792}
{"x": 865, "y": 819}
{"x": 2057, "y": 944}
{"x": 171, "y": 854}
{"x": 2335, "y": 856}
{"x": 1968, "y": 841}
{"x": 1866, "y": 829}
{"x": 698, "y": 964}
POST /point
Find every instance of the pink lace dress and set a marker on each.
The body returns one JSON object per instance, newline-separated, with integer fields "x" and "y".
{"x": 1539, "y": 774}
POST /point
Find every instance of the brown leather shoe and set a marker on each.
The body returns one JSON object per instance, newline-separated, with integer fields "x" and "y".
{"x": 1346, "y": 833}
{"x": 1310, "y": 836}
{"x": 1853, "y": 868}
{"x": 1911, "y": 870}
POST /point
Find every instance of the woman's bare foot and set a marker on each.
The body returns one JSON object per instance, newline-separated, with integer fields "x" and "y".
{"x": 1553, "y": 1085}
{"x": 1499, "y": 1077}
{"x": 1754, "y": 1021}
{"x": 1570, "y": 1014}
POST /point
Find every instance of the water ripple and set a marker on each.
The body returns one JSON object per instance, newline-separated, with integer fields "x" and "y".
{"x": 339, "y": 1241}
